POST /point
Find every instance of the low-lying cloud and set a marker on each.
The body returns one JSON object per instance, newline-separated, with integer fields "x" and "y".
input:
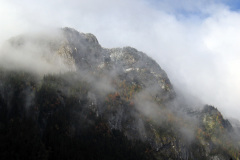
{"x": 36, "y": 53}
{"x": 197, "y": 44}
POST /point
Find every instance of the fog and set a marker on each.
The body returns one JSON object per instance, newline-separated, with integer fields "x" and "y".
{"x": 196, "y": 43}
{"x": 34, "y": 52}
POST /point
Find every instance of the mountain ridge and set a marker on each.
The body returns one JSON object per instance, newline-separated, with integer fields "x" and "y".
{"x": 111, "y": 90}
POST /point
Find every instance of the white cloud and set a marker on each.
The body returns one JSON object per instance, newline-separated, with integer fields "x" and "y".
{"x": 199, "y": 51}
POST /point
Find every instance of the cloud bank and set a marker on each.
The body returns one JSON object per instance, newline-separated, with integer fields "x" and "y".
{"x": 196, "y": 43}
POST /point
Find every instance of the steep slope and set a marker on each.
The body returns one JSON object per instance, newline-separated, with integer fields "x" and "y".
{"x": 132, "y": 65}
{"x": 118, "y": 102}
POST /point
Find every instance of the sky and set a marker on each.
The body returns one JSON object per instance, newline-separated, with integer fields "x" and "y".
{"x": 195, "y": 42}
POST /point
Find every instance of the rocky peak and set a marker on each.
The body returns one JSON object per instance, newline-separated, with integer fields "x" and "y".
{"x": 125, "y": 62}
{"x": 75, "y": 38}
{"x": 212, "y": 117}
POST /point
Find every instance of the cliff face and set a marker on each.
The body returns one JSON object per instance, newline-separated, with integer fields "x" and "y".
{"x": 120, "y": 95}
{"x": 127, "y": 62}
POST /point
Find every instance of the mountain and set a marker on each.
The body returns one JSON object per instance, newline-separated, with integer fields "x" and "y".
{"x": 79, "y": 100}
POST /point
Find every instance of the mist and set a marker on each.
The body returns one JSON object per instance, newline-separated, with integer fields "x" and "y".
{"x": 196, "y": 43}
{"x": 34, "y": 52}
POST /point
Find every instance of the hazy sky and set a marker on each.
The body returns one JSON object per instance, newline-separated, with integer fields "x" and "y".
{"x": 197, "y": 42}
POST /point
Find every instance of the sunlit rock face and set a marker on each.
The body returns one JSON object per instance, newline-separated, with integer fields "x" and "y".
{"x": 135, "y": 66}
